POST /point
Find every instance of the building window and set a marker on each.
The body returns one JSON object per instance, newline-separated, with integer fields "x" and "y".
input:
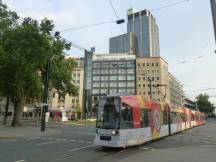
{"x": 122, "y": 91}
{"x": 96, "y": 65}
{"x": 113, "y": 91}
{"x": 113, "y": 77}
{"x": 113, "y": 84}
{"x": 147, "y": 64}
{"x": 139, "y": 85}
{"x": 113, "y": 65}
{"x": 130, "y": 84}
{"x": 148, "y": 92}
{"x": 104, "y": 84}
{"x": 152, "y": 78}
{"x": 122, "y": 84}
{"x": 105, "y": 71}
{"x": 130, "y": 64}
{"x": 152, "y": 64}
{"x": 144, "y": 92}
{"x": 143, "y": 78}
{"x": 143, "y": 64}
{"x": 113, "y": 71}
{"x": 152, "y": 71}
{"x": 104, "y": 91}
{"x": 121, "y": 71}
{"x": 104, "y": 78}
{"x": 96, "y": 78}
{"x": 122, "y": 64}
{"x": 122, "y": 77}
{"x": 157, "y": 64}
{"x": 130, "y": 91}
{"x": 158, "y": 78}
{"x": 157, "y": 71}
{"x": 131, "y": 71}
{"x": 105, "y": 65}
{"x": 130, "y": 77}
{"x": 138, "y": 78}
{"x": 96, "y": 84}
{"x": 139, "y": 64}
{"x": 143, "y": 85}
{"x": 96, "y": 71}
{"x": 96, "y": 91}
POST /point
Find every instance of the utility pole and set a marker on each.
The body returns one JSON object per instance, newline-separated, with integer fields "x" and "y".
{"x": 150, "y": 86}
{"x": 45, "y": 97}
{"x": 213, "y": 8}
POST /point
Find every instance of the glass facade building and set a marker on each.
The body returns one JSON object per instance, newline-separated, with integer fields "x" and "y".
{"x": 144, "y": 27}
{"x": 142, "y": 36}
{"x": 125, "y": 43}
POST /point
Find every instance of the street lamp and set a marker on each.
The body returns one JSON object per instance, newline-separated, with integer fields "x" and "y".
{"x": 162, "y": 85}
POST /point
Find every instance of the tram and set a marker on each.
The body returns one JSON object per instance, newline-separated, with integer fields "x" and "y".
{"x": 124, "y": 121}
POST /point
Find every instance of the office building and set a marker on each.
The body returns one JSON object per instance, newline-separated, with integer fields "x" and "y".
{"x": 142, "y": 36}
{"x": 152, "y": 78}
{"x": 126, "y": 43}
{"x": 145, "y": 28}
{"x": 109, "y": 74}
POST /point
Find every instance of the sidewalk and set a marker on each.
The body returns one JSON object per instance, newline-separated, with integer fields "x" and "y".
{"x": 15, "y": 132}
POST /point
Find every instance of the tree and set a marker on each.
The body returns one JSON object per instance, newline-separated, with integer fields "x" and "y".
{"x": 26, "y": 48}
{"x": 203, "y": 103}
{"x": 8, "y": 19}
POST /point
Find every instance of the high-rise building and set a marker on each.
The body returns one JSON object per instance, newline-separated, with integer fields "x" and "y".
{"x": 145, "y": 28}
{"x": 126, "y": 43}
{"x": 142, "y": 36}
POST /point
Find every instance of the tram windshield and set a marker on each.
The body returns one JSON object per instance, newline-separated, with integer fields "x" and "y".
{"x": 108, "y": 113}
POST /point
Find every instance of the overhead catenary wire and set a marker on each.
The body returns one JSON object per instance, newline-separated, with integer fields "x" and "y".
{"x": 88, "y": 26}
{"x": 117, "y": 17}
{"x": 169, "y": 5}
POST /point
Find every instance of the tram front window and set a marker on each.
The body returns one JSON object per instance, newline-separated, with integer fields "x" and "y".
{"x": 108, "y": 113}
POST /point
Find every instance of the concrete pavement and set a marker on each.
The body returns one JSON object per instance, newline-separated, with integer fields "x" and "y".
{"x": 18, "y": 132}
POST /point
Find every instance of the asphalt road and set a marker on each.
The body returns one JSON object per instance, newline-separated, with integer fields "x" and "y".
{"x": 75, "y": 144}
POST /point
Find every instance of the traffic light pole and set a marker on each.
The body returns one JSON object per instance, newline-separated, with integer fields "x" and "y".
{"x": 45, "y": 97}
{"x": 213, "y": 8}
{"x": 150, "y": 83}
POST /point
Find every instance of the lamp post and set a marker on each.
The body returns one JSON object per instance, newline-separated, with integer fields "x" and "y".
{"x": 45, "y": 97}
{"x": 163, "y": 85}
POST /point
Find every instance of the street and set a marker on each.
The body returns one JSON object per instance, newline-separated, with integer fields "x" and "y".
{"x": 75, "y": 143}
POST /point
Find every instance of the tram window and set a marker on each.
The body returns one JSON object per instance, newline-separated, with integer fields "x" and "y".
{"x": 173, "y": 117}
{"x": 165, "y": 117}
{"x": 144, "y": 118}
{"x": 126, "y": 117}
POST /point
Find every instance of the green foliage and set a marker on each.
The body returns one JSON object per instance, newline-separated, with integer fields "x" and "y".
{"x": 204, "y": 104}
{"x": 24, "y": 51}
{"x": 78, "y": 108}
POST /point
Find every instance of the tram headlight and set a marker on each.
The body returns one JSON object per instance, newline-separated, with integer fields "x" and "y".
{"x": 97, "y": 131}
{"x": 115, "y": 132}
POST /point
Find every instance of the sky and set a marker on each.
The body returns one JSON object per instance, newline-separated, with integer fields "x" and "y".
{"x": 186, "y": 32}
